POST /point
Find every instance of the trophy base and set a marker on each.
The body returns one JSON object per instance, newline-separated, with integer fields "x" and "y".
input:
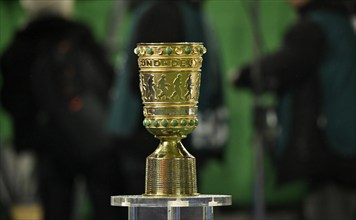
{"x": 142, "y": 207}
{"x": 171, "y": 170}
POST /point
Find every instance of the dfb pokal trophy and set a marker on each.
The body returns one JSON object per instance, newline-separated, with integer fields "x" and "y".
{"x": 169, "y": 85}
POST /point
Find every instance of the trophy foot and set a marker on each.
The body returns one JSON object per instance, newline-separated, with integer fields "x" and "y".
{"x": 171, "y": 170}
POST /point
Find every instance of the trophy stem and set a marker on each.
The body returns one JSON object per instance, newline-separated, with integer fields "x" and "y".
{"x": 170, "y": 170}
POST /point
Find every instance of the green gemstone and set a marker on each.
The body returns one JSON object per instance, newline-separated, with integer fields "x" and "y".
{"x": 148, "y": 122}
{"x": 187, "y": 50}
{"x": 155, "y": 123}
{"x": 192, "y": 122}
{"x": 164, "y": 123}
{"x": 168, "y": 50}
{"x": 183, "y": 122}
{"x": 174, "y": 123}
{"x": 196, "y": 122}
{"x": 149, "y": 51}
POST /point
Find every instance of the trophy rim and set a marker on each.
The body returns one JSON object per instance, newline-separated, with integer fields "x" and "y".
{"x": 169, "y": 43}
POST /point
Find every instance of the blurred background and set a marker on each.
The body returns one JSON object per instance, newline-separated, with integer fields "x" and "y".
{"x": 234, "y": 24}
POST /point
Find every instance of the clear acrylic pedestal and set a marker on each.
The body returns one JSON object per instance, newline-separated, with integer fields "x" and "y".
{"x": 171, "y": 208}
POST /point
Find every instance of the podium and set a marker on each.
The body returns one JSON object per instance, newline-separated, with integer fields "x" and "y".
{"x": 199, "y": 207}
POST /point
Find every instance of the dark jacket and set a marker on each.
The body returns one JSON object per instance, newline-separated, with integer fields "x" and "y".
{"x": 300, "y": 73}
{"x": 56, "y": 83}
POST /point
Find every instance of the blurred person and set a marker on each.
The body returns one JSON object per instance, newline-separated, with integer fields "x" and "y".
{"x": 168, "y": 21}
{"x": 314, "y": 77}
{"x": 56, "y": 81}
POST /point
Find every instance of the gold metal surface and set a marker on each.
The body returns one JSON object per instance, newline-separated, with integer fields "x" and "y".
{"x": 169, "y": 85}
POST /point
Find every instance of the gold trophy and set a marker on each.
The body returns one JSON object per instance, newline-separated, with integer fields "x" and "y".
{"x": 169, "y": 85}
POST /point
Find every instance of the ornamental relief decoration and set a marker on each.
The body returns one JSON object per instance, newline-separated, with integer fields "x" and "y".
{"x": 163, "y": 87}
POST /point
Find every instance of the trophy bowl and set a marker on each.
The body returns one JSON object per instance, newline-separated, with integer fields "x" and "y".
{"x": 169, "y": 85}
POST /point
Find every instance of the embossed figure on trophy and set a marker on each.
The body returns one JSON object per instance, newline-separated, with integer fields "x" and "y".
{"x": 177, "y": 83}
{"x": 189, "y": 87}
{"x": 195, "y": 88}
{"x": 197, "y": 91}
{"x": 143, "y": 88}
{"x": 163, "y": 87}
{"x": 151, "y": 87}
